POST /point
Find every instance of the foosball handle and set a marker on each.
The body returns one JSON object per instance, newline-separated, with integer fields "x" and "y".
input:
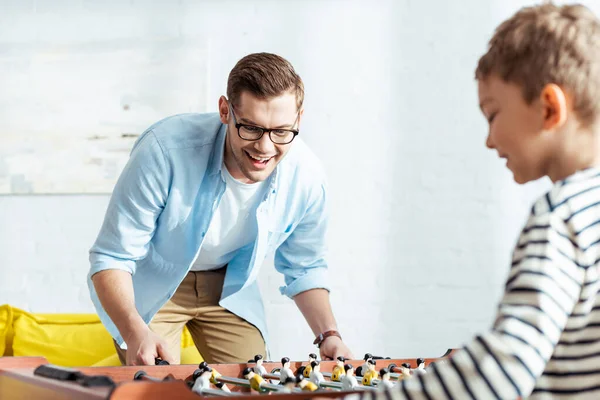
{"x": 100, "y": 380}
{"x": 392, "y": 367}
{"x": 160, "y": 361}
{"x": 139, "y": 375}
{"x": 57, "y": 372}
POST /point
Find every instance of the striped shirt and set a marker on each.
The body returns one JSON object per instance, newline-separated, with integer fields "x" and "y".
{"x": 545, "y": 341}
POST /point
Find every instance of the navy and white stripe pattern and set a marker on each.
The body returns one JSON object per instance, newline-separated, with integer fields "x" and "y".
{"x": 545, "y": 342}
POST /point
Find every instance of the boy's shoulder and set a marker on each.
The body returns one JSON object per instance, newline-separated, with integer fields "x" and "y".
{"x": 571, "y": 195}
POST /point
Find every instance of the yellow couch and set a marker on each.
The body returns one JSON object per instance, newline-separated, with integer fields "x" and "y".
{"x": 70, "y": 340}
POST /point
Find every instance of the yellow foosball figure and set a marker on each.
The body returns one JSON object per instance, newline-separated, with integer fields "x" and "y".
{"x": 305, "y": 384}
{"x": 308, "y": 369}
{"x": 370, "y": 374}
{"x": 256, "y": 381}
{"x": 338, "y": 370}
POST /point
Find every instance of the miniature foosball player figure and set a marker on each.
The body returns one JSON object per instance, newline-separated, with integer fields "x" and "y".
{"x": 305, "y": 384}
{"x": 316, "y": 376}
{"x": 202, "y": 380}
{"x": 286, "y": 371}
{"x": 349, "y": 381}
{"x": 338, "y": 370}
{"x": 405, "y": 372}
{"x": 289, "y": 384}
{"x": 308, "y": 368}
{"x": 385, "y": 382}
{"x": 214, "y": 377}
{"x": 370, "y": 374}
{"x": 420, "y": 367}
{"x": 259, "y": 368}
{"x": 360, "y": 371}
{"x": 256, "y": 381}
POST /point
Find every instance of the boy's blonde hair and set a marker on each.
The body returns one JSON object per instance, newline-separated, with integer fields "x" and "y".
{"x": 549, "y": 44}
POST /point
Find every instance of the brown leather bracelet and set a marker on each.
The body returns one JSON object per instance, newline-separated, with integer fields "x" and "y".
{"x": 319, "y": 339}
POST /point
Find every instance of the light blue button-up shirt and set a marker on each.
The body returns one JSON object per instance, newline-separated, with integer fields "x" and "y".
{"x": 164, "y": 200}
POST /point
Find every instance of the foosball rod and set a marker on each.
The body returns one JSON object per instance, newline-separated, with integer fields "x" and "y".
{"x": 328, "y": 384}
{"x": 219, "y": 392}
{"x": 324, "y": 384}
{"x": 245, "y": 383}
{"x": 392, "y": 375}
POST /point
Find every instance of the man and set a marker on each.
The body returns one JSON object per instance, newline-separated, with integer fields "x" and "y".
{"x": 202, "y": 200}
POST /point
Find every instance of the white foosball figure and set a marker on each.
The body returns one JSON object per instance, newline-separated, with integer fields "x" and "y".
{"x": 214, "y": 377}
{"x": 420, "y": 367}
{"x": 286, "y": 371}
{"x": 259, "y": 369}
{"x": 203, "y": 381}
{"x": 316, "y": 376}
{"x": 384, "y": 382}
{"x": 365, "y": 367}
{"x": 349, "y": 381}
{"x": 405, "y": 371}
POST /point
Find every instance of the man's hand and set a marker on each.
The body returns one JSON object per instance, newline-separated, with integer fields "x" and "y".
{"x": 333, "y": 347}
{"x": 144, "y": 347}
{"x": 314, "y": 305}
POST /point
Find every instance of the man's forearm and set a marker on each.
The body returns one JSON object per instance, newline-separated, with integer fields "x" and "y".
{"x": 115, "y": 292}
{"x": 315, "y": 306}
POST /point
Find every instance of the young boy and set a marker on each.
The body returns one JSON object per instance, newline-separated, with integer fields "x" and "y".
{"x": 539, "y": 89}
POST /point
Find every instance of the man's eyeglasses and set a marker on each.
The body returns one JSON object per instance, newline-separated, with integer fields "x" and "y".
{"x": 252, "y": 132}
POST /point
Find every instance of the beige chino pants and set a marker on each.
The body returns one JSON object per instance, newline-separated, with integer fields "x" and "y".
{"x": 219, "y": 335}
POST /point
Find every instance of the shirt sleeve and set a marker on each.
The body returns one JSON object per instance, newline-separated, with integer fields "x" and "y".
{"x": 137, "y": 200}
{"x": 544, "y": 285}
{"x": 301, "y": 257}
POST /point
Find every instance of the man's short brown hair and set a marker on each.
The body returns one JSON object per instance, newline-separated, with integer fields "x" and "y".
{"x": 549, "y": 44}
{"x": 264, "y": 75}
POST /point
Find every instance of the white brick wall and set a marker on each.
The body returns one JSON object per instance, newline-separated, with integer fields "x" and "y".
{"x": 424, "y": 217}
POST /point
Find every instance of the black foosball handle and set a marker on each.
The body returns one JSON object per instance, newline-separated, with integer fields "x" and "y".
{"x": 160, "y": 361}
{"x": 68, "y": 374}
{"x": 57, "y": 372}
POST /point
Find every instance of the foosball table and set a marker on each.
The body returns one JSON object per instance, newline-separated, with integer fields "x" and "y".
{"x": 34, "y": 378}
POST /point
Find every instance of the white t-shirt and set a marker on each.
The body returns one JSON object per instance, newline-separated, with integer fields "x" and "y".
{"x": 234, "y": 224}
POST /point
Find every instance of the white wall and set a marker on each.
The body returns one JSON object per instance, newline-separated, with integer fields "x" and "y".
{"x": 424, "y": 216}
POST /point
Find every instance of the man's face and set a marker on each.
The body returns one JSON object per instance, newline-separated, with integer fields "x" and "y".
{"x": 254, "y": 161}
{"x": 516, "y": 129}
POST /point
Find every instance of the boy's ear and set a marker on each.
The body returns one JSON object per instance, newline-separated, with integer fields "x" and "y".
{"x": 554, "y": 106}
